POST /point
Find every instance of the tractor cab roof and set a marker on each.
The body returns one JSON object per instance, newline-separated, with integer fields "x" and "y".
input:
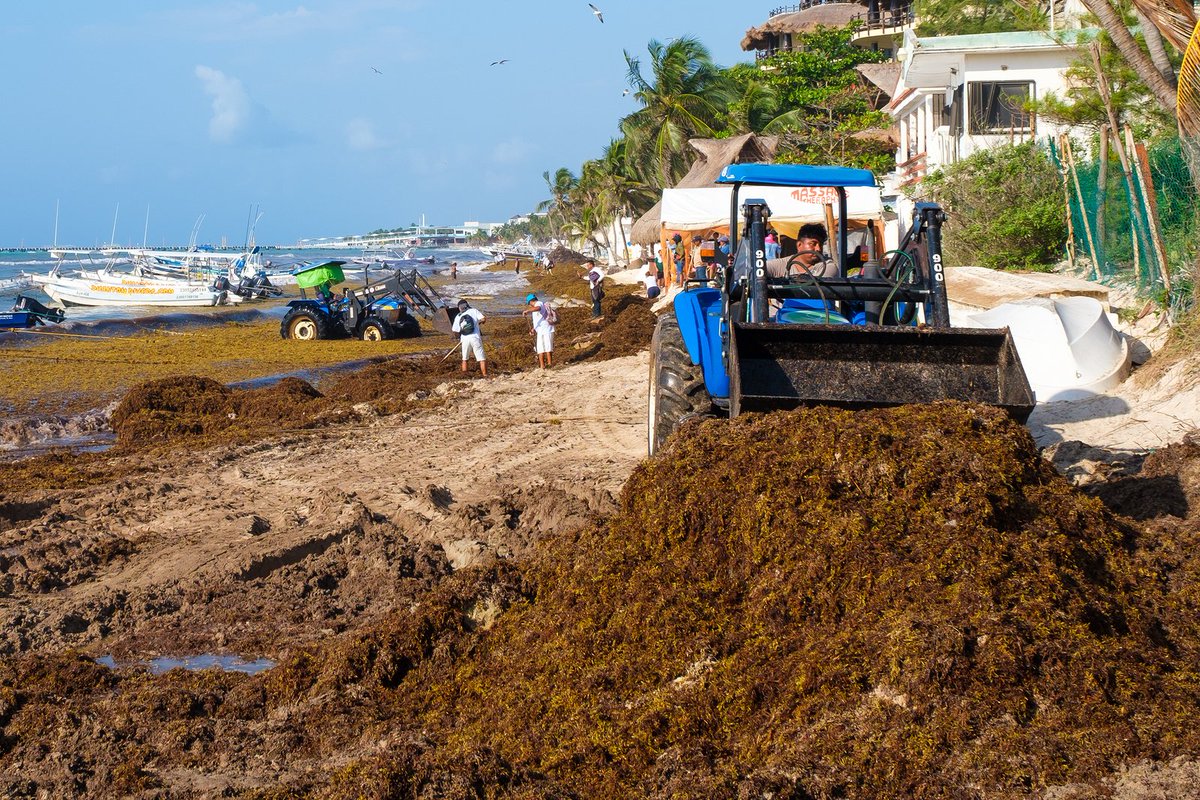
{"x": 795, "y": 175}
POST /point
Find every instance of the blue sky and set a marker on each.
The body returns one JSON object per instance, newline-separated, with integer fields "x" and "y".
{"x": 190, "y": 108}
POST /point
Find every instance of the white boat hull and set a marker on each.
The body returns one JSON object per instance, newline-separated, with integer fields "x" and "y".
{"x": 127, "y": 292}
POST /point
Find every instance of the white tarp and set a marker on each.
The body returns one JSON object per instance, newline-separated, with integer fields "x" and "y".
{"x": 708, "y": 208}
{"x": 1067, "y": 345}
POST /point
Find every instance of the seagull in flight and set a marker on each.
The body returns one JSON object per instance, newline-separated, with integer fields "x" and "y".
{"x": 596, "y": 11}
{"x": 501, "y": 61}
{"x": 377, "y": 72}
{"x": 624, "y": 93}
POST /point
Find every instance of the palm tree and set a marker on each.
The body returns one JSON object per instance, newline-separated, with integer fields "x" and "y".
{"x": 755, "y": 102}
{"x": 682, "y": 99}
{"x": 561, "y": 185}
{"x": 1113, "y": 23}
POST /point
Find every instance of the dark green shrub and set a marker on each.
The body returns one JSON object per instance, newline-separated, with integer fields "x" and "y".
{"x": 1005, "y": 208}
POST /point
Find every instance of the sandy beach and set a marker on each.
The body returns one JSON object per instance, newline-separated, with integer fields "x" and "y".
{"x": 363, "y": 513}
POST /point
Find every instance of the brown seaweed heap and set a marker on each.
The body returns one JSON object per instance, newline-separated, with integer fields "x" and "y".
{"x": 887, "y": 604}
{"x": 190, "y": 407}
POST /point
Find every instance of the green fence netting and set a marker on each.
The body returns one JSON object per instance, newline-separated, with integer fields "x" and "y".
{"x": 1111, "y": 220}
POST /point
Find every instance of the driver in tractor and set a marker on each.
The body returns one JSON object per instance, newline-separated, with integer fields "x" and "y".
{"x": 810, "y": 257}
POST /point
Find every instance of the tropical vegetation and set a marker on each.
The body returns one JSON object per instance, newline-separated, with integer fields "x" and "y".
{"x": 1006, "y": 208}
{"x": 811, "y": 98}
{"x": 823, "y": 111}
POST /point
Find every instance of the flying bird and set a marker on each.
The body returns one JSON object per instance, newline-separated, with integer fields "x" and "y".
{"x": 377, "y": 72}
{"x": 596, "y": 11}
{"x": 501, "y": 61}
{"x": 624, "y": 93}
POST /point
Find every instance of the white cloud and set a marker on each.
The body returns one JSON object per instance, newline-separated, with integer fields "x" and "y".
{"x": 511, "y": 151}
{"x": 230, "y": 103}
{"x": 360, "y": 135}
{"x": 247, "y": 21}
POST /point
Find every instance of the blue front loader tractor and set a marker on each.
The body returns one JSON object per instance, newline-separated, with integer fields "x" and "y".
{"x": 869, "y": 329}
{"x": 374, "y": 312}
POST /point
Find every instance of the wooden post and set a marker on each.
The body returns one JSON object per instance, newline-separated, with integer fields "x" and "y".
{"x": 1142, "y": 159}
{"x": 1102, "y": 186}
{"x": 1087, "y": 226}
{"x": 668, "y": 265}
{"x": 831, "y": 232}
{"x": 1062, "y": 173}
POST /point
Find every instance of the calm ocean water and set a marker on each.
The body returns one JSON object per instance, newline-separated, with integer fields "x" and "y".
{"x": 477, "y": 285}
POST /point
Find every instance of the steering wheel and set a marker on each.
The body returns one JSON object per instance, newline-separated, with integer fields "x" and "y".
{"x": 804, "y": 268}
{"x": 896, "y": 272}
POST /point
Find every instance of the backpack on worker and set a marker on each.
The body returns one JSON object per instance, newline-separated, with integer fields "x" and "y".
{"x": 549, "y": 313}
{"x": 466, "y": 325}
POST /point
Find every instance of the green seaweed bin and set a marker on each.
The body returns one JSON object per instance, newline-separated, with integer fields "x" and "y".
{"x": 330, "y": 272}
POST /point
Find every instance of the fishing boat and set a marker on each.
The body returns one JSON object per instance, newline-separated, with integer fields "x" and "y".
{"x": 29, "y": 313}
{"x": 390, "y": 258}
{"x": 126, "y": 289}
{"x": 161, "y": 278}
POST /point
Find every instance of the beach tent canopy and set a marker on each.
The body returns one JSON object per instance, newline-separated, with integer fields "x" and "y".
{"x": 708, "y": 209}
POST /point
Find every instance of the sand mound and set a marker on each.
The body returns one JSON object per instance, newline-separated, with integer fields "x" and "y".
{"x": 897, "y": 603}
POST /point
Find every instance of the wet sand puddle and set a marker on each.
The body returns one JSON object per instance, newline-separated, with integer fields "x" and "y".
{"x": 161, "y": 664}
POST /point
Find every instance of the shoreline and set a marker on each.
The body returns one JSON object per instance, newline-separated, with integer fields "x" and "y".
{"x": 72, "y": 379}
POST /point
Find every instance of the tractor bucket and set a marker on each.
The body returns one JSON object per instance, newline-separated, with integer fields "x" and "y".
{"x": 442, "y": 318}
{"x": 785, "y": 366}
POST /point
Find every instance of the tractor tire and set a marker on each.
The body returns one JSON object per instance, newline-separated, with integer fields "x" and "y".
{"x": 304, "y": 325}
{"x": 375, "y": 330}
{"x": 677, "y": 390}
{"x": 406, "y": 327}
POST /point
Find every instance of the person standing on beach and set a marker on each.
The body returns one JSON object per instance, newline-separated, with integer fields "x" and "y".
{"x": 469, "y": 327}
{"x": 542, "y": 317}
{"x": 596, "y": 285}
{"x": 453, "y": 270}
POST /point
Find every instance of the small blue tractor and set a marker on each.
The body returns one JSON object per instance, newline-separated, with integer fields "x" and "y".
{"x": 869, "y": 329}
{"x": 378, "y": 311}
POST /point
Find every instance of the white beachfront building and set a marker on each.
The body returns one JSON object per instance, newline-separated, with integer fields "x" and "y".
{"x": 956, "y": 95}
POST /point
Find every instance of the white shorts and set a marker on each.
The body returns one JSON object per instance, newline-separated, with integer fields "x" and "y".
{"x": 545, "y": 340}
{"x": 472, "y": 343}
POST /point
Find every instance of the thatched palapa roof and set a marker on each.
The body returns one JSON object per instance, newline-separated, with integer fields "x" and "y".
{"x": 886, "y": 75}
{"x": 715, "y": 155}
{"x": 829, "y": 15}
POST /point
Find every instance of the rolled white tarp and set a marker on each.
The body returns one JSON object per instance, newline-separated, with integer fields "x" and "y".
{"x": 1068, "y": 346}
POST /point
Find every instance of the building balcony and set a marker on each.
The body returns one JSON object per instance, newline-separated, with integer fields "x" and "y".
{"x": 882, "y": 24}
{"x": 803, "y": 6}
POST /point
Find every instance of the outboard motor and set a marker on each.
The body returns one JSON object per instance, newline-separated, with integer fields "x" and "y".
{"x": 41, "y": 312}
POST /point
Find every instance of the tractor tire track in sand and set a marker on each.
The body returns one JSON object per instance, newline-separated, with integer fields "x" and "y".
{"x": 253, "y": 549}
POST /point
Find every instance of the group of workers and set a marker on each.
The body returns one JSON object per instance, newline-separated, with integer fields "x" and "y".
{"x": 679, "y": 263}
{"x": 468, "y": 326}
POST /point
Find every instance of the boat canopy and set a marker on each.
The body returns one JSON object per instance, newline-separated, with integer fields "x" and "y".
{"x": 310, "y": 275}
